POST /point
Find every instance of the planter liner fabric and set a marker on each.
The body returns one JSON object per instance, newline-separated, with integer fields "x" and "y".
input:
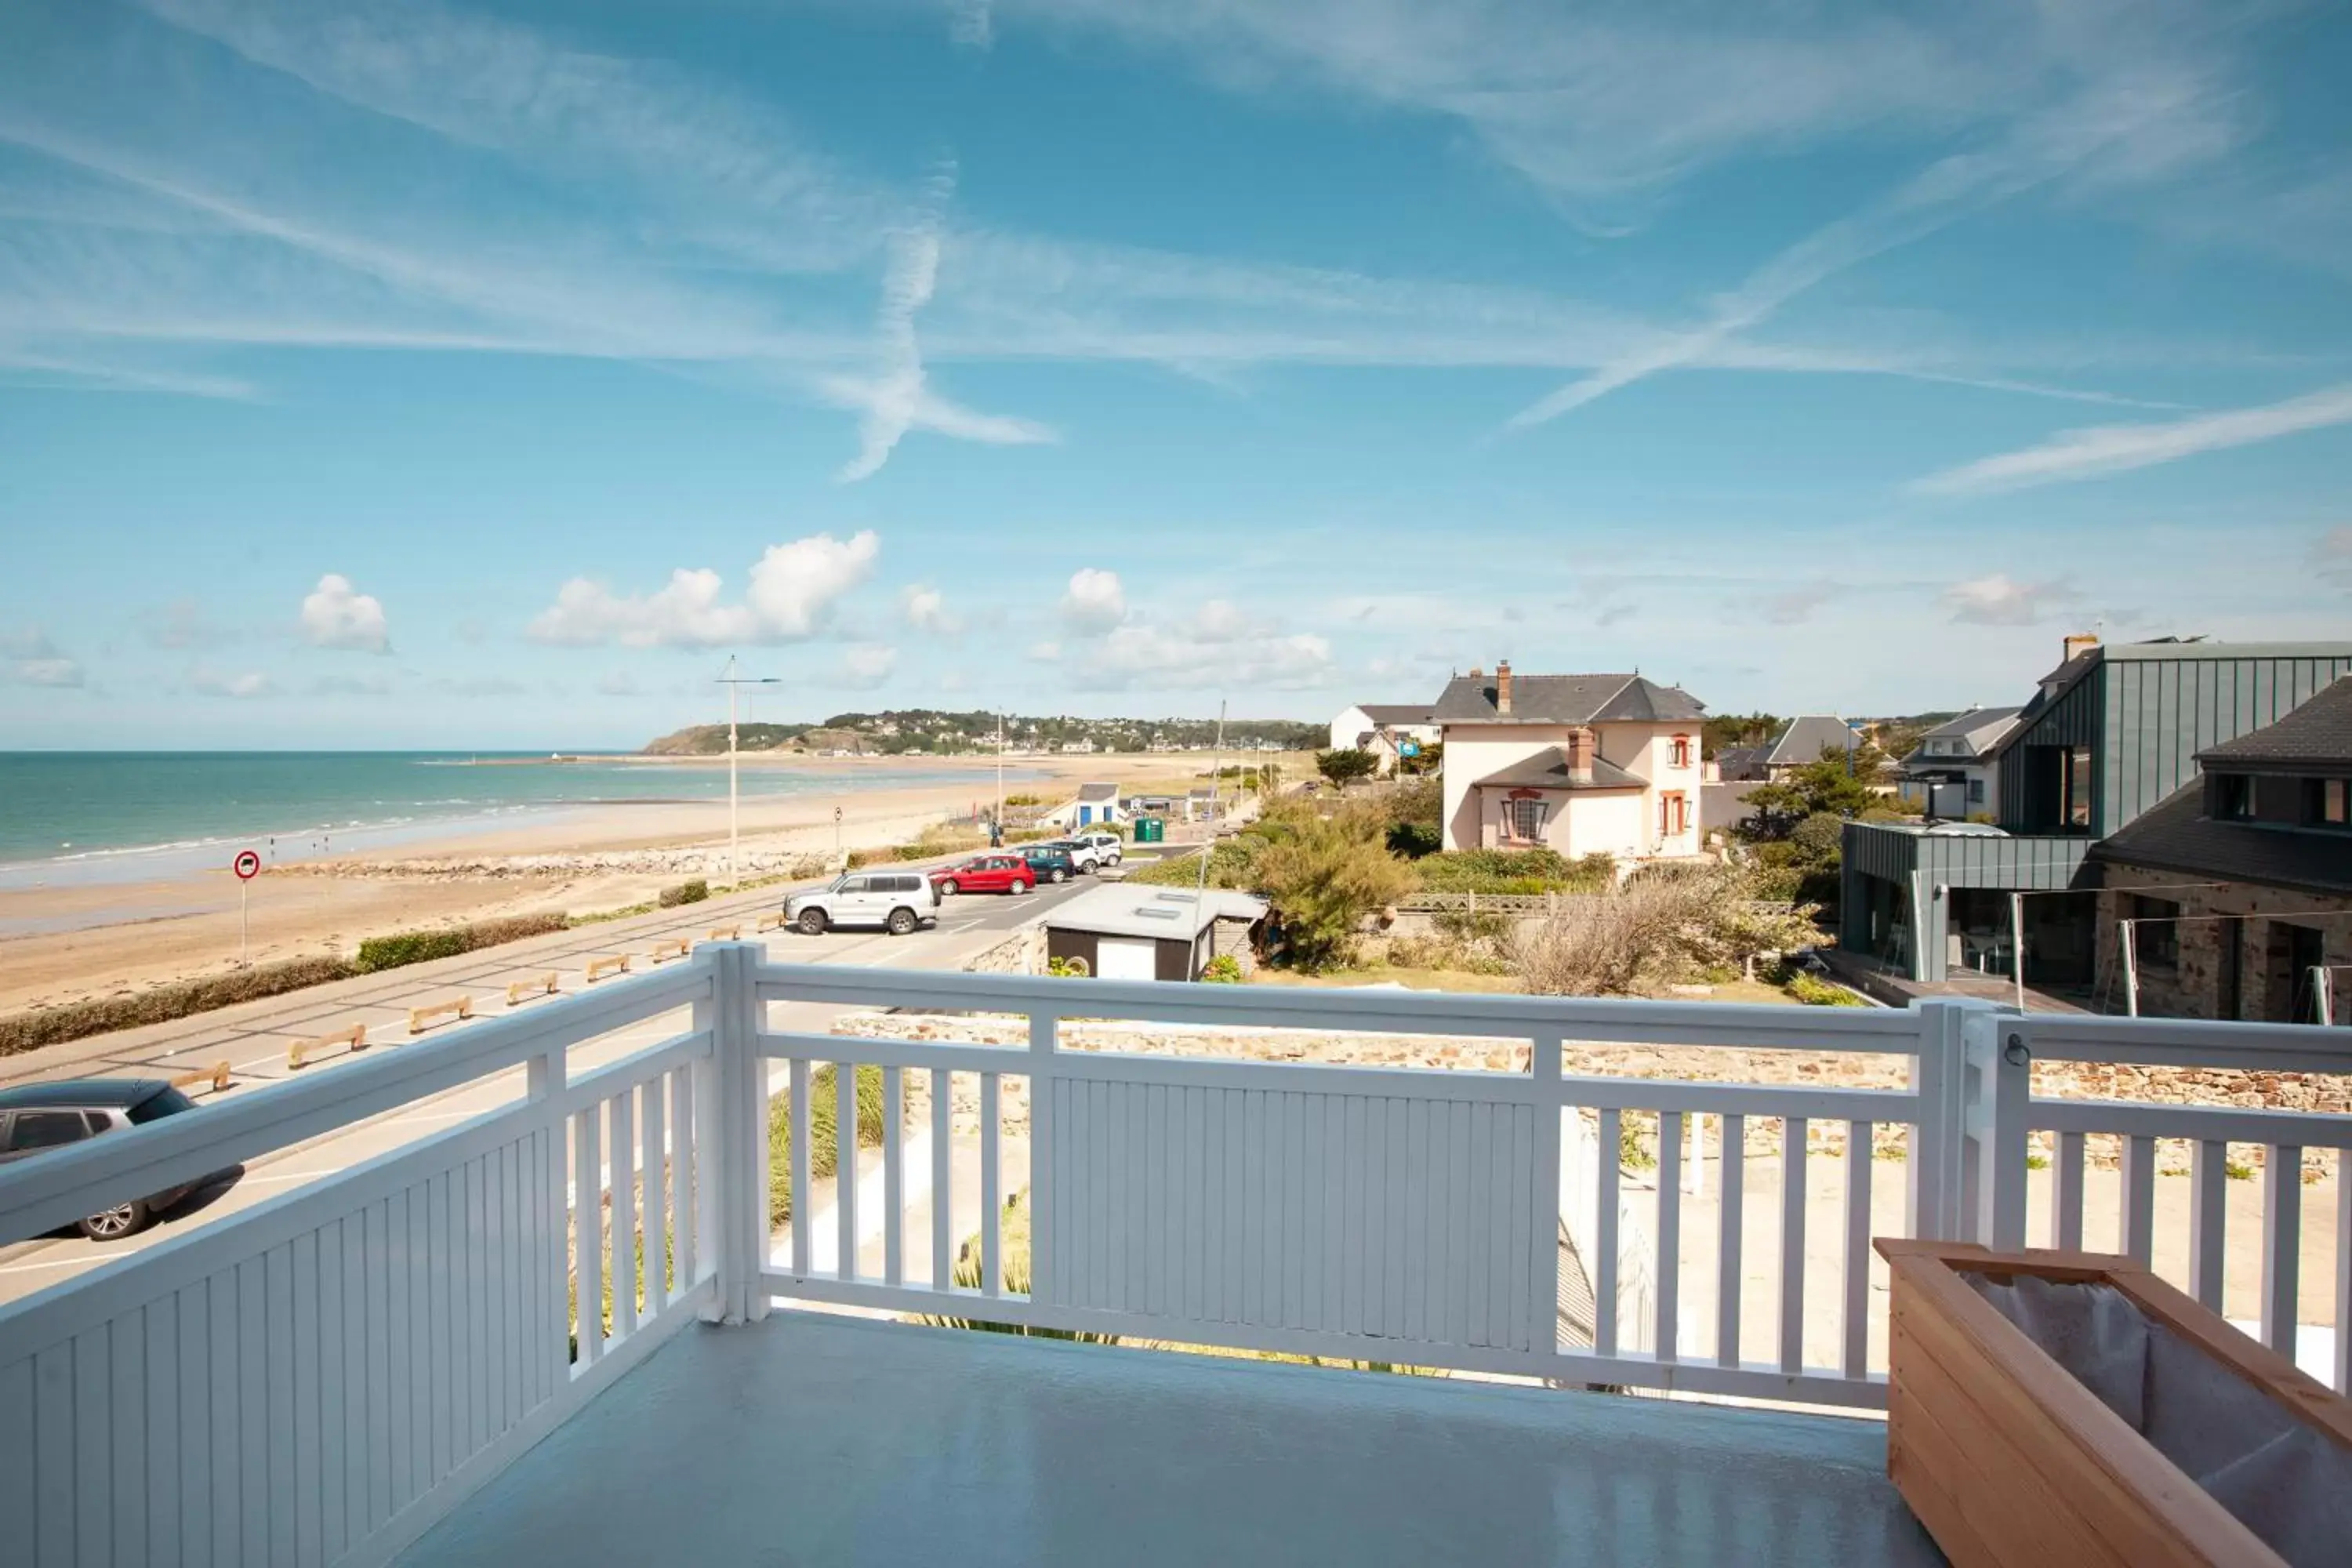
{"x": 2284, "y": 1480}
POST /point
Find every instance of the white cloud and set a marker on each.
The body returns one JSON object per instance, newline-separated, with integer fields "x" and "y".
{"x": 969, "y": 23}
{"x": 1179, "y": 658}
{"x": 2115, "y": 448}
{"x": 2000, "y": 600}
{"x": 1795, "y": 605}
{"x": 927, "y": 610}
{"x": 336, "y": 614}
{"x": 897, "y": 398}
{"x": 1096, "y": 601}
{"x": 792, "y": 591}
{"x": 183, "y": 625}
{"x": 1048, "y": 652}
{"x": 868, "y": 665}
{"x": 32, "y": 659}
{"x": 2331, "y": 555}
{"x": 619, "y": 683}
{"x": 243, "y": 686}
{"x": 480, "y": 686}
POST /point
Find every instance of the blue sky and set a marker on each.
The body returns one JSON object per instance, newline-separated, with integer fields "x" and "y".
{"x": 484, "y": 374}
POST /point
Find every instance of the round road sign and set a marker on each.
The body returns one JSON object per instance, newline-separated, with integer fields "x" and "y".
{"x": 247, "y": 866}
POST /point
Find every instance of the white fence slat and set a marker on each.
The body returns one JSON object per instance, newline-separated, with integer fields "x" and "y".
{"x": 1860, "y": 1160}
{"x": 1543, "y": 1296}
{"x": 844, "y": 1168}
{"x": 1603, "y": 1269}
{"x": 992, "y": 1189}
{"x": 1794, "y": 1139}
{"x": 1664, "y": 1345}
{"x": 161, "y": 1428}
{"x": 654, "y": 1160}
{"x": 383, "y": 1336}
{"x": 195, "y": 1484}
{"x": 1252, "y": 1259}
{"x": 623, "y": 1161}
{"x": 804, "y": 1185}
{"x": 252, "y": 1395}
{"x": 302, "y": 1395}
{"x": 19, "y": 1453}
{"x": 53, "y": 1391}
{"x": 2344, "y": 1271}
{"x": 894, "y": 1175}
{"x": 1044, "y": 1139}
{"x": 588, "y": 1211}
{"x": 686, "y": 1152}
{"x": 127, "y": 1425}
{"x": 93, "y": 1449}
{"x": 2282, "y": 1244}
{"x": 2066, "y": 1192}
{"x": 2138, "y": 1218}
{"x": 943, "y": 1179}
{"x": 2209, "y": 1209}
{"x": 1731, "y": 1223}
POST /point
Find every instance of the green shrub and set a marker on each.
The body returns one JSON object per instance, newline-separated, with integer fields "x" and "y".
{"x": 403, "y": 948}
{"x": 1068, "y": 968}
{"x": 1816, "y": 992}
{"x": 1223, "y": 970}
{"x": 688, "y": 893}
{"x": 101, "y": 1015}
{"x": 514, "y": 928}
{"x": 824, "y": 1135}
{"x": 1514, "y": 871}
{"x": 1323, "y": 878}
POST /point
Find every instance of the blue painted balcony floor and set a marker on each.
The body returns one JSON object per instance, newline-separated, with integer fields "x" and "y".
{"x": 822, "y": 1440}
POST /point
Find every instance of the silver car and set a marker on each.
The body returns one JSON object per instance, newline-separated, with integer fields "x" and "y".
{"x": 895, "y": 901}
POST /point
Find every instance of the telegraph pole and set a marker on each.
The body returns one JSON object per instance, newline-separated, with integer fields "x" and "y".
{"x": 731, "y": 680}
{"x": 999, "y": 773}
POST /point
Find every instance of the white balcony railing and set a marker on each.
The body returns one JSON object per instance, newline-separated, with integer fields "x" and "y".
{"x": 322, "y": 1376}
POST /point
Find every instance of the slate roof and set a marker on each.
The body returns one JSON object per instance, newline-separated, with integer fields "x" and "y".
{"x": 1396, "y": 712}
{"x": 1092, "y": 792}
{"x": 1741, "y": 764}
{"x": 2318, "y": 735}
{"x": 2176, "y": 836}
{"x": 1807, "y": 737}
{"x": 1548, "y": 769}
{"x": 1566, "y": 700}
{"x": 1969, "y": 724}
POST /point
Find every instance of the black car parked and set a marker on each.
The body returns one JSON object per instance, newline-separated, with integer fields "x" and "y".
{"x": 38, "y": 1117}
{"x": 1053, "y": 865}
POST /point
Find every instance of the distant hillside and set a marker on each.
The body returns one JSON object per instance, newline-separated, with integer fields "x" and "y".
{"x": 931, "y": 731}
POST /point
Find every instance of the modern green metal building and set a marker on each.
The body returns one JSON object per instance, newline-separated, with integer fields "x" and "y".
{"x": 2111, "y": 731}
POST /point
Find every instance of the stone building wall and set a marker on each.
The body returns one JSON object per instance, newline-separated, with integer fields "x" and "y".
{"x": 2194, "y": 988}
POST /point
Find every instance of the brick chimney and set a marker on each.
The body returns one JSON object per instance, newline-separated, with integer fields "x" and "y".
{"x": 1502, "y": 689}
{"x": 1581, "y": 748}
{"x": 2079, "y": 643}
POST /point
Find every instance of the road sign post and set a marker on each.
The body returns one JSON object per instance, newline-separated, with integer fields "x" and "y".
{"x": 247, "y": 866}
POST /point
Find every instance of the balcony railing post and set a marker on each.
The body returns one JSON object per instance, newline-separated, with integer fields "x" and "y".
{"x": 739, "y": 1188}
{"x": 1043, "y": 1045}
{"x": 2001, "y": 1069}
{"x": 1932, "y": 1169}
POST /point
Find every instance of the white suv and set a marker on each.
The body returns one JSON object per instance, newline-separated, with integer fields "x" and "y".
{"x": 1109, "y": 848}
{"x": 898, "y": 901}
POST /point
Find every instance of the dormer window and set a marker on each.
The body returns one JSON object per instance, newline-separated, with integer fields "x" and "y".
{"x": 2324, "y": 803}
{"x": 2233, "y": 797}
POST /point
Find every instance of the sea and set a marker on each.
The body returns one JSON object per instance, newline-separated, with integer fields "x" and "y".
{"x": 105, "y": 816}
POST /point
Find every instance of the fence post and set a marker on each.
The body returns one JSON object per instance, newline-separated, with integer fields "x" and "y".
{"x": 2000, "y": 1071}
{"x": 1932, "y": 1178}
{"x": 737, "y": 1163}
{"x": 1043, "y": 1045}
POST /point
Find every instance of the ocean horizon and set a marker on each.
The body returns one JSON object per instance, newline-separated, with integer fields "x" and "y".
{"x": 107, "y": 815}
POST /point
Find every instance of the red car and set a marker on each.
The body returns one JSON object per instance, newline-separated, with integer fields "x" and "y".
{"x": 985, "y": 874}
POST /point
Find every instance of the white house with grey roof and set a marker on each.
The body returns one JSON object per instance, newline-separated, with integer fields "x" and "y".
{"x": 1583, "y": 764}
{"x": 1955, "y": 771}
{"x": 1387, "y": 730}
{"x": 1095, "y": 805}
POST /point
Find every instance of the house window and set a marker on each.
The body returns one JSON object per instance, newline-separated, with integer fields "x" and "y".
{"x": 1682, "y": 752}
{"x": 1976, "y": 791}
{"x": 1674, "y": 813}
{"x": 1525, "y": 818}
{"x": 2234, "y": 796}
{"x": 2155, "y": 935}
{"x": 2324, "y": 803}
{"x": 2078, "y": 786}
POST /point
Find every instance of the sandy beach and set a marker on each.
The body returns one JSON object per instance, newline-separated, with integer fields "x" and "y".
{"x": 68, "y": 942}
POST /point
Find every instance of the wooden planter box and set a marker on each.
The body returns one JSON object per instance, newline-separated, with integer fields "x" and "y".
{"x": 2008, "y": 1458}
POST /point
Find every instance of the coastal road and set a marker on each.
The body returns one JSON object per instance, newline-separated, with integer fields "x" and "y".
{"x": 254, "y": 1039}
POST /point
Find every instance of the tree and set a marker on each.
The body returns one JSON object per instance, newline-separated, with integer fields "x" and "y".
{"x": 1823, "y": 786}
{"x": 1323, "y": 877}
{"x": 1429, "y": 758}
{"x": 1345, "y": 764}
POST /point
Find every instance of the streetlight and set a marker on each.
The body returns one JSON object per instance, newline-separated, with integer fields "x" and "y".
{"x": 731, "y": 680}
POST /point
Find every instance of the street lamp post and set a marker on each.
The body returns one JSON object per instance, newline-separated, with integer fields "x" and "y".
{"x": 731, "y": 680}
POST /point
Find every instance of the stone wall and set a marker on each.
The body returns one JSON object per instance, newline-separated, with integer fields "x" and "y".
{"x": 2194, "y": 987}
{"x": 2319, "y": 1092}
{"x": 1022, "y": 952}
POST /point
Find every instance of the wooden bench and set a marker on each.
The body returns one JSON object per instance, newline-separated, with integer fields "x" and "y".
{"x": 354, "y": 1038}
{"x": 777, "y": 920}
{"x": 725, "y": 933}
{"x": 611, "y": 964}
{"x": 216, "y": 1076}
{"x": 455, "y": 1006}
{"x": 671, "y": 947}
{"x": 521, "y": 991}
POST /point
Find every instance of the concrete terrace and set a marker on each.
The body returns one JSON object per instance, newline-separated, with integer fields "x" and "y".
{"x": 807, "y": 1438}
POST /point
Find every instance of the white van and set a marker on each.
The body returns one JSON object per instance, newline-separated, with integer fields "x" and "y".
{"x": 897, "y": 902}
